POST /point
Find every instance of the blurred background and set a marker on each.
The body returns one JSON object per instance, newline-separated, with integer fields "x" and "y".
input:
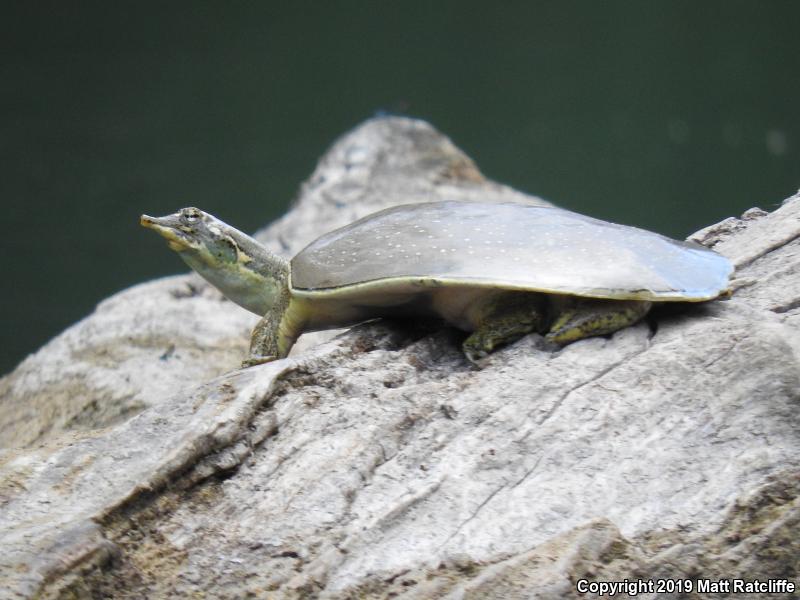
{"x": 666, "y": 115}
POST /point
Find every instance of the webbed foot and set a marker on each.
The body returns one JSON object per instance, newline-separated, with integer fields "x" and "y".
{"x": 582, "y": 318}
{"x": 503, "y": 319}
{"x": 257, "y": 360}
{"x": 268, "y": 341}
{"x": 475, "y": 348}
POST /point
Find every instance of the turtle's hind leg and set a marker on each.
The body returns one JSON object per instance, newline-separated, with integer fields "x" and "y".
{"x": 578, "y": 318}
{"x": 503, "y": 318}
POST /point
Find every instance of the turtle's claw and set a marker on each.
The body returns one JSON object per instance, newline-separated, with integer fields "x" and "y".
{"x": 476, "y": 358}
{"x": 474, "y": 351}
{"x": 257, "y": 360}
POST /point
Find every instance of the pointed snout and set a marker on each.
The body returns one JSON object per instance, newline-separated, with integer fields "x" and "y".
{"x": 156, "y": 223}
{"x": 167, "y": 227}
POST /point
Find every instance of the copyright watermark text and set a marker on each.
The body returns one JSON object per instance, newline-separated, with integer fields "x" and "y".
{"x": 634, "y": 587}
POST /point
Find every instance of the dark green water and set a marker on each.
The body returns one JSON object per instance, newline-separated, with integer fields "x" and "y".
{"x": 668, "y": 115}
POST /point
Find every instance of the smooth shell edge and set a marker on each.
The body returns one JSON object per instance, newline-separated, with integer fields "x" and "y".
{"x": 408, "y": 248}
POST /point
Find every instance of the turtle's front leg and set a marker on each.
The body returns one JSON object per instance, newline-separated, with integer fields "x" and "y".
{"x": 501, "y": 319}
{"x": 578, "y": 318}
{"x": 273, "y": 336}
{"x": 263, "y": 342}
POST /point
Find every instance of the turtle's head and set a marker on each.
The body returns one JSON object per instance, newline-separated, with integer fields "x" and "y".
{"x": 238, "y": 265}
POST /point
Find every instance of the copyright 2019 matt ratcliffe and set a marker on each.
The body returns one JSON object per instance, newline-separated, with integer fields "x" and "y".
{"x": 634, "y": 587}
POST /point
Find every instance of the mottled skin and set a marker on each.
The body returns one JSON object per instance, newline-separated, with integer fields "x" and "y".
{"x": 250, "y": 275}
{"x": 508, "y": 316}
{"x": 241, "y": 268}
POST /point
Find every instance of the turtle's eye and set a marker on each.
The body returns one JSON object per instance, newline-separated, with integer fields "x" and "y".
{"x": 191, "y": 215}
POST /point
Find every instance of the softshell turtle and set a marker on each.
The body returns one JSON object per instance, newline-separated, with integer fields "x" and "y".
{"x": 498, "y": 270}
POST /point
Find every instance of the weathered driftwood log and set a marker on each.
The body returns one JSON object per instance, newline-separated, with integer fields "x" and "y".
{"x": 137, "y": 463}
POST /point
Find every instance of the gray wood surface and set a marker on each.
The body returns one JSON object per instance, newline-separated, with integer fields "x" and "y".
{"x": 137, "y": 462}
